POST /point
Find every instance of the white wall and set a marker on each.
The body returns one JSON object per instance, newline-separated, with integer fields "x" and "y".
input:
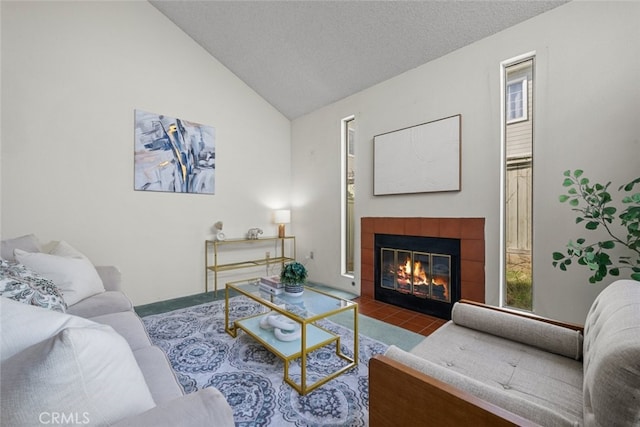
{"x": 586, "y": 102}
{"x": 0, "y": 123}
{"x": 72, "y": 75}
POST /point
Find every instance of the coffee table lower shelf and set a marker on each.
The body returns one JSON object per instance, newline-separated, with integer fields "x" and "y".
{"x": 314, "y": 338}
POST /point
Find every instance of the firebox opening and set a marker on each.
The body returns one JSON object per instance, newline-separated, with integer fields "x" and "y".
{"x": 418, "y": 273}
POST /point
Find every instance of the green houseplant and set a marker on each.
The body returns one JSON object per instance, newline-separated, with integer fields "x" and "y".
{"x": 592, "y": 202}
{"x": 293, "y": 276}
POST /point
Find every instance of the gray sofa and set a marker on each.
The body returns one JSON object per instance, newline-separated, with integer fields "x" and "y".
{"x": 153, "y": 394}
{"x": 494, "y": 367}
{"x": 206, "y": 407}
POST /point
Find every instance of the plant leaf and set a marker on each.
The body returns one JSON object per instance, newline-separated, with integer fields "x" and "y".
{"x": 592, "y": 225}
{"x": 578, "y": 173}
{"x": 629, "y": 186}
{"x": 558, "y": 256}
{"x": 563, "y": 198}
{"x": 608, "y": 244}
{"x": 567, "y": 182}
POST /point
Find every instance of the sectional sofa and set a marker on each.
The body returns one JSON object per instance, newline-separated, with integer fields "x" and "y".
{"x": 94, "y": 364}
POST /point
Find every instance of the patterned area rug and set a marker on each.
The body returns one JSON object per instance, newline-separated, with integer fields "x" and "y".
{"x": 203, "y": 355}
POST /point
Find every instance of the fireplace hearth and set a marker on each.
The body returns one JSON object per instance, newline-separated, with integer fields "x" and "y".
{"x": 418, "y": 273}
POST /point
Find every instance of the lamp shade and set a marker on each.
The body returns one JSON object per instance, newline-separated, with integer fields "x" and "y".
{"x": 282, "y": 216}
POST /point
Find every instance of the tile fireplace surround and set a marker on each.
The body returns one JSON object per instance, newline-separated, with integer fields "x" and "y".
{"x": 470, "y": 231}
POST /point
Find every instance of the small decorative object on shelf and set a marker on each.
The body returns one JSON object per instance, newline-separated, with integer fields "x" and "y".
{"x": 253, "y": 233}
{"x": 219, "y": 236}
{"x": 293, "y": 275}
{"x": 284, "y": 329}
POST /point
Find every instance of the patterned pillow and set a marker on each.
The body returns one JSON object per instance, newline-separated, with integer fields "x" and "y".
{"x": 21, "y": 284}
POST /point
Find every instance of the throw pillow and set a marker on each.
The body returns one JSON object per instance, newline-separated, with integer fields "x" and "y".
{"x": 87, "y": 374}
{"x": 64, "y": 249}
{"x": 21, "y": 284}
{"x": 24, "y": 325}
{"x": 77, "y": 278}
{"x": 28, "y": 242}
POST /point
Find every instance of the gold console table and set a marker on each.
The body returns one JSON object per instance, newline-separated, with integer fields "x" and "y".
{"x": 282, "y": 255}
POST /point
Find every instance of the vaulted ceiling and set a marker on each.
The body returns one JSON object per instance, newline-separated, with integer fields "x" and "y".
{"x": 303, "y": 55}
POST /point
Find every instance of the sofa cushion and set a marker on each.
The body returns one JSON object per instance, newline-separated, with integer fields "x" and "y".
{"x": 545, "y": 336}
{"x": 102, "y": 303}
{"x": 516, "y": 404}
{"x": 206, "y": 407}
{"x": 24, "y": 285}
{"x": 88, "y": 373}
{"x": 129, "y": 325}
{"x": 158, "y": 374}
{"x": 28, "y": 242}
{"x": 76, "y": 277}
{"x": 532, "y": 375}
{"x": 111, "y": 277}
{"x": 24, "y": 325}
{"x": 612, "y": 356}
{"x": 64, "y": 249}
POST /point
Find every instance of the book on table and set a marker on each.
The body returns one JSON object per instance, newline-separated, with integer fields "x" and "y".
{"x": 270, "y": 289}
{"x": 272, "y": 281}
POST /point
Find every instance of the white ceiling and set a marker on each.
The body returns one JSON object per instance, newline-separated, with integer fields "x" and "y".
{"x": 303, "y": 55}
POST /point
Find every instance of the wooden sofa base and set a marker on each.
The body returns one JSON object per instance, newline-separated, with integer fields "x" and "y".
{"x": 402, "y": 396}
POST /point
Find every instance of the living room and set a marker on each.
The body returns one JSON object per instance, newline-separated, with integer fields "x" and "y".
{"x": 73, "y": 73}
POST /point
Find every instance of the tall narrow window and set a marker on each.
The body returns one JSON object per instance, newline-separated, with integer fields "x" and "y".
{"x": 518, "y": 183}
{"x": 348, "y": 195}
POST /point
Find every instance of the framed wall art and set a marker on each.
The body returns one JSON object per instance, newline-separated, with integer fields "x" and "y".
{"x": 418, "y": 159}
{"x": 173, "y": 155}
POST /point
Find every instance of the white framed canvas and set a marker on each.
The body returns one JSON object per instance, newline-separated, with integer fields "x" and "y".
{"x": 418, "y": 159}
{"x": 173, "y": 155}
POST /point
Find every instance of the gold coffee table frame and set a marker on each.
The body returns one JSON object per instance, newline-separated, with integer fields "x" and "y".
{"x": 319, "y": 305}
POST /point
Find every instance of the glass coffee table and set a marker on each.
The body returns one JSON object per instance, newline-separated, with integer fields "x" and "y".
{"x": 305, "y": 311}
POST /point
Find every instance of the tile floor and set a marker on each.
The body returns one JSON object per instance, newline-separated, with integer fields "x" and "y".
{"x": 422, "y": 324}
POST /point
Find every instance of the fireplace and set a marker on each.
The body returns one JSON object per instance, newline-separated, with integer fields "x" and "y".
{"x": 468, "y": 231}
{"x": 418, "y": 273}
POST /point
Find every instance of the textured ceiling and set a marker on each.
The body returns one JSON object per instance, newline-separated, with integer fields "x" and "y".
{"x": 303, "y": 55}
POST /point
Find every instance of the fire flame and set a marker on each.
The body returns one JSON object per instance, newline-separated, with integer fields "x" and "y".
{"x": 415, "y": 273}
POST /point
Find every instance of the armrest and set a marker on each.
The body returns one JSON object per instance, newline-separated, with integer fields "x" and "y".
{"x": 206, "y": 407}
{"x": 398, "y": 395}
{"x": 545, "y": 334}
{"x": 111, "y": 277}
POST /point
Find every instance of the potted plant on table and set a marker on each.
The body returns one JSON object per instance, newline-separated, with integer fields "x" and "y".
{"x": 293, "y": 276}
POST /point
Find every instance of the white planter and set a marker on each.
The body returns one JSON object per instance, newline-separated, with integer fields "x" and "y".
{"x": 294, "y": 290}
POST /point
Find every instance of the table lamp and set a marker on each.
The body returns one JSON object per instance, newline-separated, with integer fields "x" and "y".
{"x": 281, "y": 217}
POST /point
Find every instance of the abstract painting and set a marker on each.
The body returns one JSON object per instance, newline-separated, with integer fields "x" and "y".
{"x": 173, "y": 155}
